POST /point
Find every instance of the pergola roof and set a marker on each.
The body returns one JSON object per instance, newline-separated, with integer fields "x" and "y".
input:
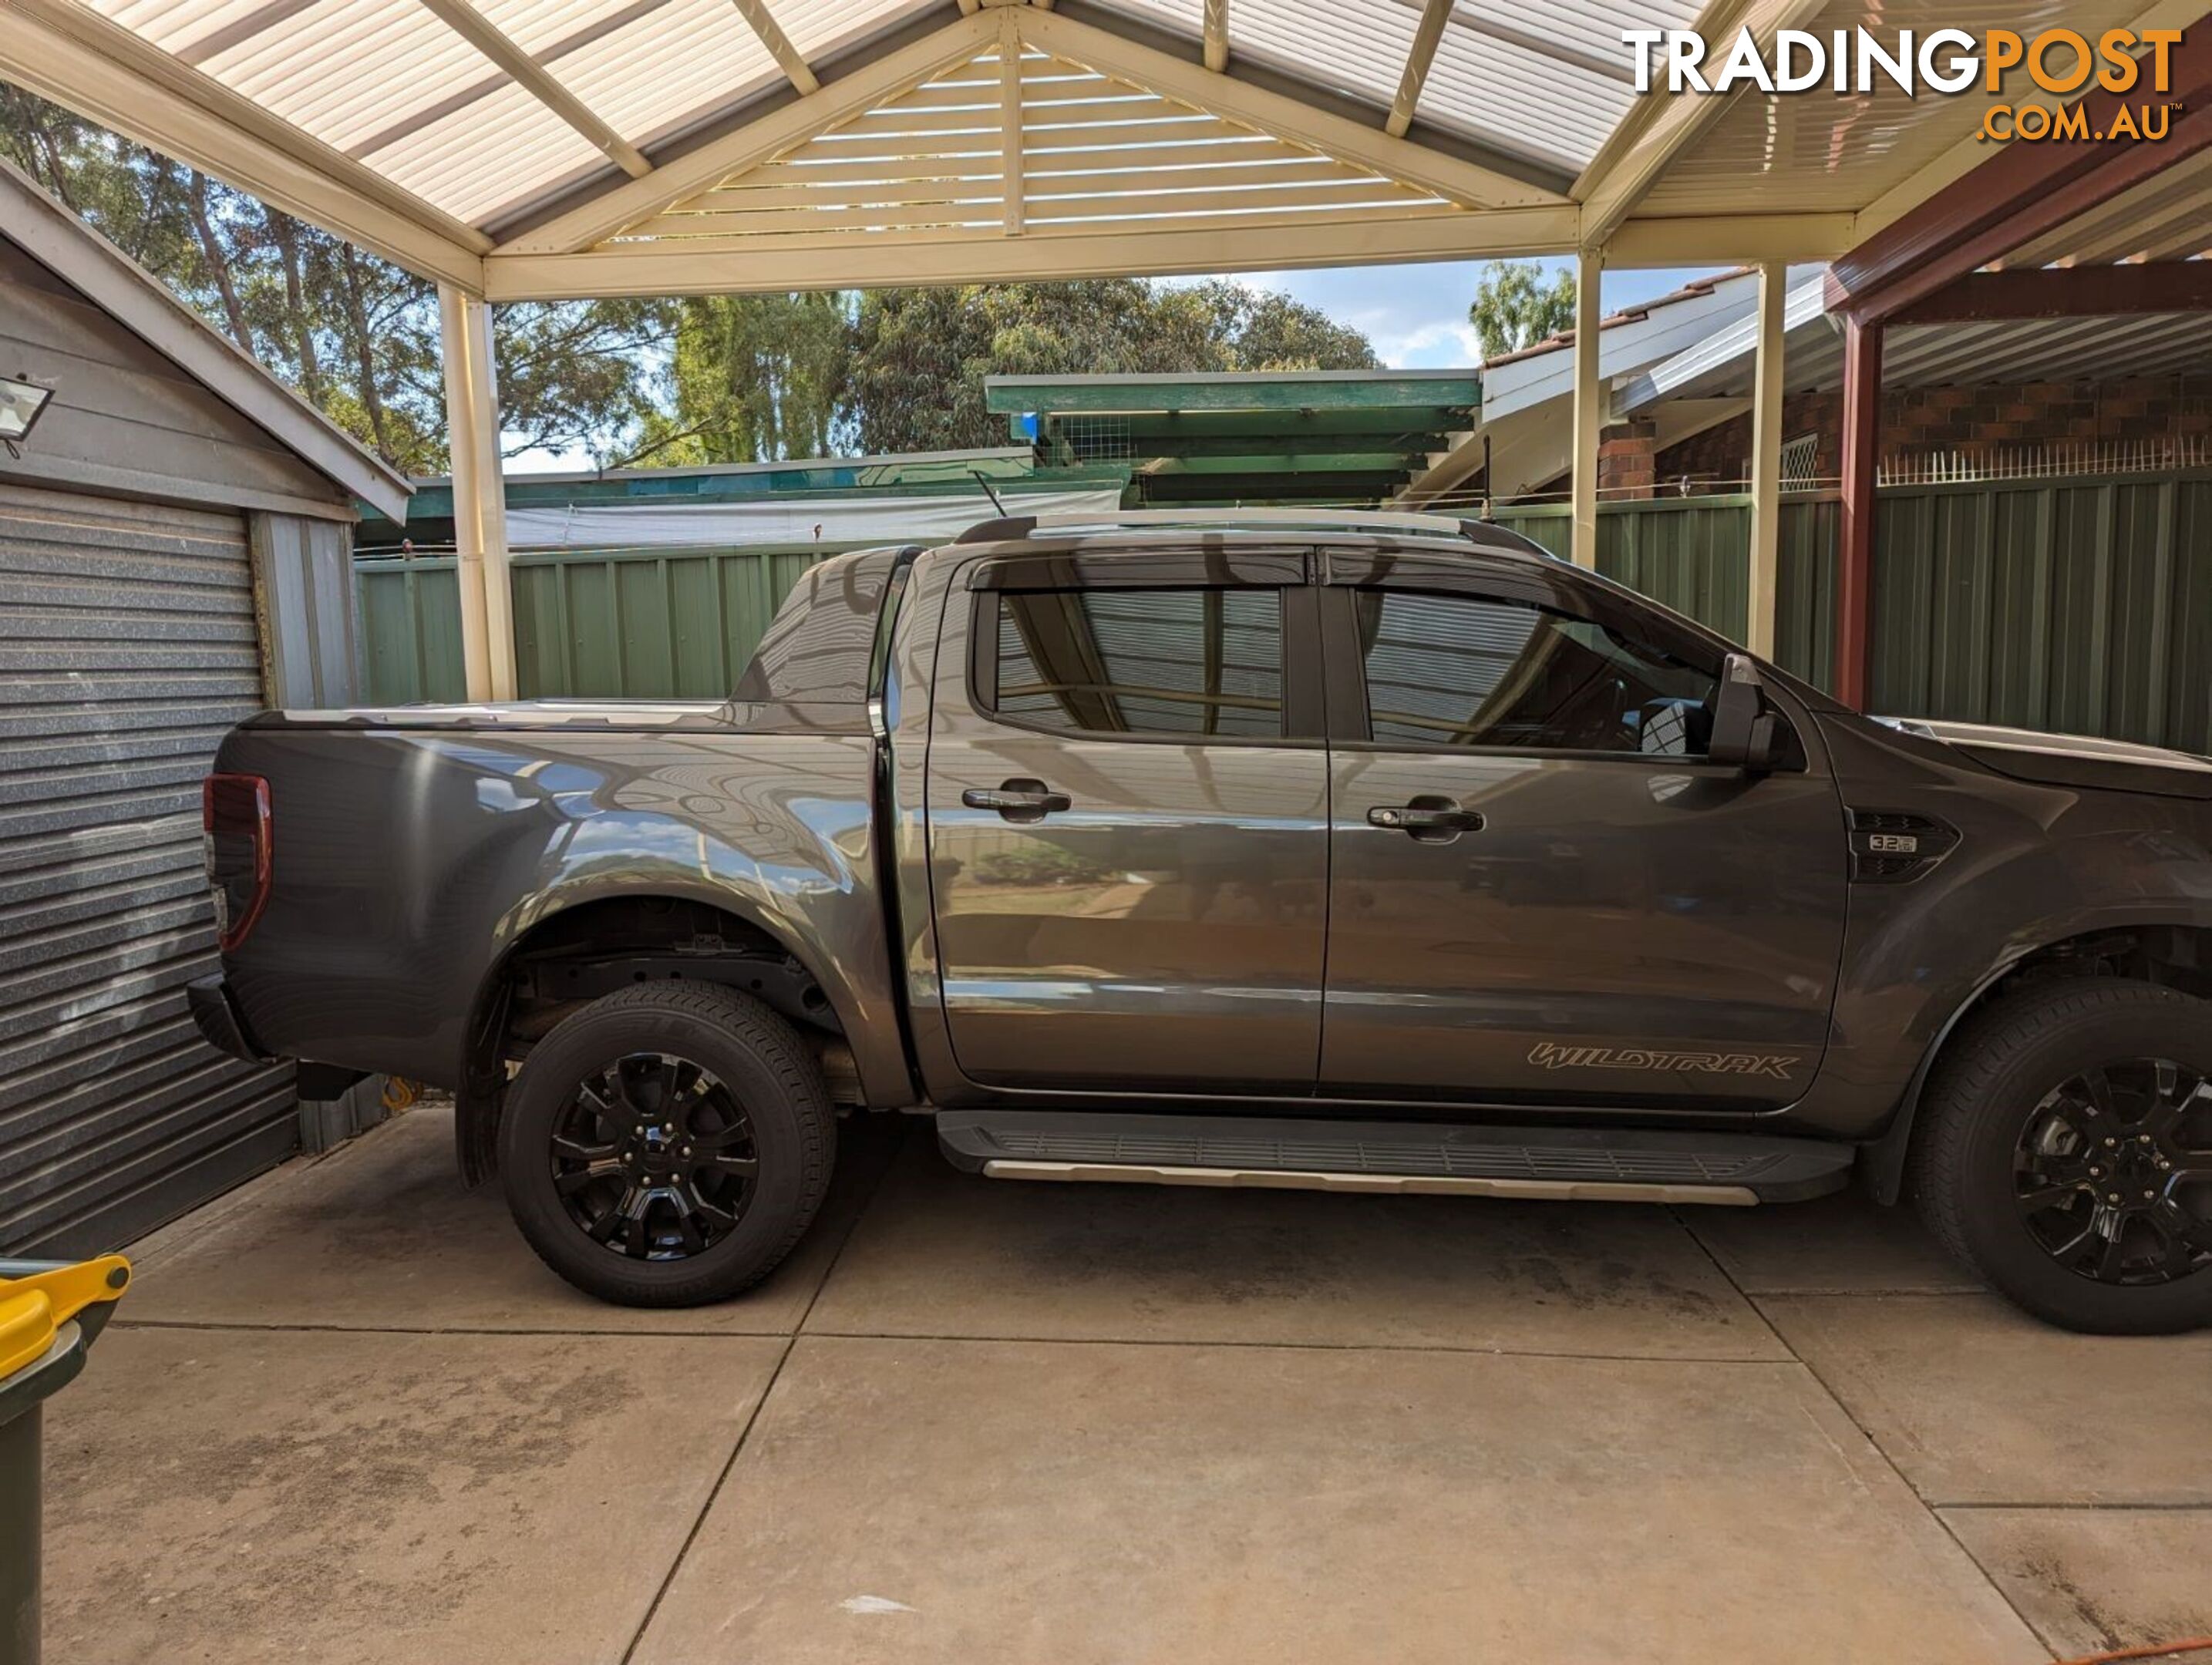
{"x": 548, "y": 148}
{"x": 2092, "y": 347}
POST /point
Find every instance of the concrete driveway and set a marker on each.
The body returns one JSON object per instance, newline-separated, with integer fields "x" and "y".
{"x": 346, "y": 1416}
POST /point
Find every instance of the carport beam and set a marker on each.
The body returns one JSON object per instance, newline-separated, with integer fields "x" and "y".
{"x": 1763, "y": 603}
{"x": 1855, "y": 552}
{"x": 479, "y": 495}
{"x": 1589, "y": 394}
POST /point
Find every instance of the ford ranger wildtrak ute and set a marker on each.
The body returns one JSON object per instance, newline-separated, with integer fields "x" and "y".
{"x": 1358, "y": 852}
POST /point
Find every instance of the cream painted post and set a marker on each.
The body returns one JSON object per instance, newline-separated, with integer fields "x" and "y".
{"x": 1763, "y": 603}
{"x": 1590, "y": 397}
{"x": 465, "y": 340}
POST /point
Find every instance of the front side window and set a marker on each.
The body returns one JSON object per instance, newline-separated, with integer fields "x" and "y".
{"x": 1462, "y": 671}
{"x": 1184, "y": 664}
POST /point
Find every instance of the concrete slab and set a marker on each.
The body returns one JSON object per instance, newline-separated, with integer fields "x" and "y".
{"x": 2094, "y": 1580}
{"x": 380, "y": 1235}
{"x": 250, "y": 1495}
{"x": 1843, "y": 1243}
{"x": 928, "y": 1500}
{"x": 1978, "y": 1403}
{"x": 942, "y": 1252}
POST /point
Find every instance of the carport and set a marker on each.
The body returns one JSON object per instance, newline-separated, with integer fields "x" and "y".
{"x": 624, "y": 146}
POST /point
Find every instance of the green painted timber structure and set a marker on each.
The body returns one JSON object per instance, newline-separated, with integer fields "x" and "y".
{"x": 1274, "y": 437}
{"x": 2081, "y": 604}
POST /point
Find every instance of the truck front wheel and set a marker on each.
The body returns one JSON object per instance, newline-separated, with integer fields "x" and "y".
{"x": 2064, "y": 1153}
{"x": 667, "y": 1145}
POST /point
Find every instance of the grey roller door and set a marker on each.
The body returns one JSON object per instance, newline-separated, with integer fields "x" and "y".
{"x": 127, "y": 646}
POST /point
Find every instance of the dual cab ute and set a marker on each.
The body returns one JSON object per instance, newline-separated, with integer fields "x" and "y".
{"x": 1361, "y": 853}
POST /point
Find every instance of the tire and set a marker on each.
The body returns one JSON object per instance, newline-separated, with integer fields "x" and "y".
{"x": 2012, "y": 1107}
{"x": 733, "y": 1087}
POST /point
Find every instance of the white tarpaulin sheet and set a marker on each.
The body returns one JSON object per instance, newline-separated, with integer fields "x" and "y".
{"x": 832, "y": 520}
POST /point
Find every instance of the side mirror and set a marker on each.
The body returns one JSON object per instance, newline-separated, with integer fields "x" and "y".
{"x": 1746, "y": 734}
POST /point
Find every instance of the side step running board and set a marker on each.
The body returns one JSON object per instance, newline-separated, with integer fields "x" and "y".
{"x": 1597, "y": 1164}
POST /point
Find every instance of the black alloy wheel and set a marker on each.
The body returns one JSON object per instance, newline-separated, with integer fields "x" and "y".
{"x": 653, "y": 1157}
{"x": 2113, "y": 1172}
{"x": 667, "y": 1144}
{"x": 2063, "y": 1152}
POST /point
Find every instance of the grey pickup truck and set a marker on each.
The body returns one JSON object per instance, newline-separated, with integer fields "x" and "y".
{"x": 1361, "y": 853}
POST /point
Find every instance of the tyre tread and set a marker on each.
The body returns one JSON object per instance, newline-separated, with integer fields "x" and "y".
{"x": 1961, "y": 1087}
{"x": 776, "y": 1044}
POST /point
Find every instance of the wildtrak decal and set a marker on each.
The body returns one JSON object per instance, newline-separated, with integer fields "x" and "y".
{"x": 1551, "y": 1057}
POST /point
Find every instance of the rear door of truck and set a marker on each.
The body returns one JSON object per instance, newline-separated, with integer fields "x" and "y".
{"x": 1128, "y": 806}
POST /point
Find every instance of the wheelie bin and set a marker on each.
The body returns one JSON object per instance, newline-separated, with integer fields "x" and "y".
{"x": 49, "y": 1311}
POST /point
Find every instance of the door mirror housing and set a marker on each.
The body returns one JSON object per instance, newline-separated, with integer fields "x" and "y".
{"x": 1747, "y": 733}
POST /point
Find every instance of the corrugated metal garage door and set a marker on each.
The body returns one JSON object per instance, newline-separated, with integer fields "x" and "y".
{"x": 127, "y": 646}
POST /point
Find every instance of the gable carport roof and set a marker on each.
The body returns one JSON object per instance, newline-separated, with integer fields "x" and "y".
{"x": 517, "y": 149}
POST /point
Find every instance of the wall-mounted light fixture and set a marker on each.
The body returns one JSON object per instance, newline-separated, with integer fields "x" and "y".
{"x": 22, "y": 401}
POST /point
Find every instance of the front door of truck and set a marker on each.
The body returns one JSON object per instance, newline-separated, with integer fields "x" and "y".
{"x": 1128, "y": 806}
{"x": 1541, "y": 890}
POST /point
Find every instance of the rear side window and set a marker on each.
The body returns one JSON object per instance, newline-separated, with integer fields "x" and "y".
{"x": 1464, "y": 671}
{"x": 1170, "y": 663}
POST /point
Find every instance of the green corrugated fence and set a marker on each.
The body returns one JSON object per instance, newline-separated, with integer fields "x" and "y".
{"x": 411, "y": 631}
{"x": 1691, "y": 553}
{"x": 2082, "y": 605}
{"x": 629, "y": 624}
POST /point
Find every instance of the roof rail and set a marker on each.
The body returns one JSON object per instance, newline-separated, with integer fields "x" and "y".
{"x": 1024, "y": 526}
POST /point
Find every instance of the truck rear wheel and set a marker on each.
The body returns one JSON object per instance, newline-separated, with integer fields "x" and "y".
{"x": 667, "y": 1145}
{"x": 2064, "y": 1153}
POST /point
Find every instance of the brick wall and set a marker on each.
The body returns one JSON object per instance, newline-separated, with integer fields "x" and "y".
{"x": 1921, "y": 420}
{"x": 1628, "y": 459}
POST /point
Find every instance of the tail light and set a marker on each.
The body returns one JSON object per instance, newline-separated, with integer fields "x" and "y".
{"x": 241, "y": 849}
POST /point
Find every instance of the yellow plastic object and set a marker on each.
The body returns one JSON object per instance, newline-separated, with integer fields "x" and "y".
{"x": 33, "y": 1308}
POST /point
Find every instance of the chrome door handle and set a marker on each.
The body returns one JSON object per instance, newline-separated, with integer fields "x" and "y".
{"x": 1018, "y": 799}
{"x": 1433, "y": 820}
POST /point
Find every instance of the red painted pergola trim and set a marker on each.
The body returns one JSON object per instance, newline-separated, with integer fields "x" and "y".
{"x": 2024, "y": 192}
{"x": 1930, "y": 257}
{"x": 1862, "y": 456}
{"x": 1982, "y": 297}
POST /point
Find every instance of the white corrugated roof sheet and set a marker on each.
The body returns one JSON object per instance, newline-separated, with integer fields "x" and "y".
{"x": 569, "y": 137}
{"x": 390, "y": 84}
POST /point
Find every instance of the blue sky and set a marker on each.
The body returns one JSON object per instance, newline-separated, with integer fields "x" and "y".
{"x": 1416, "y": 315}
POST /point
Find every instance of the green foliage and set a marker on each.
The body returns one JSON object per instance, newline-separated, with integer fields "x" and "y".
{"x": 355, "y": 335}
{"x": 580, "y": 374}
{"x": 754, "y": 378}
{"x": 1269, "y": 331}
{"x": 919, "y": 356}
{"x": 1513, "y": 308}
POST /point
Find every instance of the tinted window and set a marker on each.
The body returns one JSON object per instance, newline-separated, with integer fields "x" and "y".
{"x": 1187, "y": 662}
{"x": 1447, "y": 670}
